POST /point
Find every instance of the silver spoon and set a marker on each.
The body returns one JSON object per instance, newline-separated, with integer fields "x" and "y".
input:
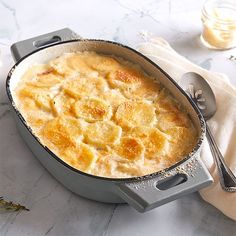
{"x": 202, "y": 95}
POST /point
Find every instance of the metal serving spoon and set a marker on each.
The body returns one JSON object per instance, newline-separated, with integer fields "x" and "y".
{"x": 202, "y": 95}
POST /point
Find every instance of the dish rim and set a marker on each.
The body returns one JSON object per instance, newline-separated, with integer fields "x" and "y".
{"x": 130, "y": 179}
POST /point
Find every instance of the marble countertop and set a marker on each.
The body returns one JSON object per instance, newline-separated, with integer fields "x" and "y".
{"x": 53, "y": 209}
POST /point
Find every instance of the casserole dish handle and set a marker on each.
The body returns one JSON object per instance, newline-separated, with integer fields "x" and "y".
{"x": 25, "y": 47}
{"x": 147, "y": 194}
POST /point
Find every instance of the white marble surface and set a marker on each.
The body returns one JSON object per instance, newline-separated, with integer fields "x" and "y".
{"x": 53, "y": 209}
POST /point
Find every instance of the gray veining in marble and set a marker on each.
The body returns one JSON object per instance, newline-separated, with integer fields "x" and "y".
{"x": 54, "y": 211}
{"x": 206, "y": 64}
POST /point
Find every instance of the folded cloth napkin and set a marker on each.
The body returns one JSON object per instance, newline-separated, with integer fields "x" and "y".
{"x": 222, "y": 124}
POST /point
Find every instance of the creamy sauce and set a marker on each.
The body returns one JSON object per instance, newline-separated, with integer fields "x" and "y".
{"x": 104, "y": 116}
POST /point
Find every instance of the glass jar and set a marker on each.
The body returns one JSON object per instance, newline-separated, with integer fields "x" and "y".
{"x": 219, "y": 24}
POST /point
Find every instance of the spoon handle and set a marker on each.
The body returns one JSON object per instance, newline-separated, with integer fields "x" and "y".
{"x": 227, "y": 178}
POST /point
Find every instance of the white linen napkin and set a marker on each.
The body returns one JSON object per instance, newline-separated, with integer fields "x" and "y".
{"x": 222, "y": 124}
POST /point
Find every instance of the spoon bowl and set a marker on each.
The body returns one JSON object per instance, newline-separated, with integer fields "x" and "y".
{"x": 202, "y": 95}
{"x": 200, "y": 92}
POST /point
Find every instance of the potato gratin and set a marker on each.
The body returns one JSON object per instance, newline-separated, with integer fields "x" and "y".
{"x": 104, "y": 116}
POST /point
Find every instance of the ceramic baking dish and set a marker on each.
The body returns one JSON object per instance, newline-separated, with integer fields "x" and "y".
{"x": 143, "y": 193}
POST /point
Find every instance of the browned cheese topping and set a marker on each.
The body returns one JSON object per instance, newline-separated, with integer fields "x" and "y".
{"x": 104, "y": 116}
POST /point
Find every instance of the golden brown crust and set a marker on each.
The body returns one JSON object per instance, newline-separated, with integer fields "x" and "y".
{"x": 79, "y": 87}
{"x": 155, "y": 142}
{"x": 62, "y": 132}
{"x": 103, "y": 133}
{"x": 135, "y": 113}
{"x": 92, "y": 109}
{"x": 130, "y": 148}
{"x": 104, "y": 116}
{"x": 82, "y": 157}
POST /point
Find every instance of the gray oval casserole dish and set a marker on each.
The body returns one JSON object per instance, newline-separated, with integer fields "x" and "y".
{"x": 143, "y": 193}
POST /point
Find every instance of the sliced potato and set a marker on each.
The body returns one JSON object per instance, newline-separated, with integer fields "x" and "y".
{"x": 103, "y": 133}
{"x": 71, "y": 64}
{"x": 42, "y": 97}
{"x": 101, "y": 62}
{"x": 114, "y": 97}
{"x": 80, "y": 87}
{"x": 62, "y": 132}
{"x": 149, "y": 90}
{"x": 105, "y": 164}
{"x": 92, "y": 109}
{"x": 167, "y": 105}
{"x": 62, "y": 104}
{"x": 125, "y": 79}
{"x": 33, "y": 114}
{"x": 46, "y": 79}
{"x": 82, "y": 157}
{"x": 176, "y": 134}
{"x": 155, "y": 142}
{"x": 129, "y": 169}
{"x": 28, "y": 104}
{"x": 38, "y": 119}
{"x": 35, "y": 70}
{"x": 135, "y": 113}
{"x": 130, "y": 148}
{"x": 166, "y": 121}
